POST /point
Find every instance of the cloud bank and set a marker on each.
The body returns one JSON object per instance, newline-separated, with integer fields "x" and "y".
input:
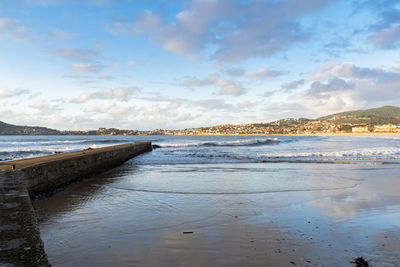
{"x": 232, "y": 27}
{"x": 226, "y": 86}
{"x": 121, "y": 94}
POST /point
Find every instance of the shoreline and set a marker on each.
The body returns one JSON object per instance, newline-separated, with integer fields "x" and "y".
{"x": 216, "y": 134}
{"x": 305, "y": 134}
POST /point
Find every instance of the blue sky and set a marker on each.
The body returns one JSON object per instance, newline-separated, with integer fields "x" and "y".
{"x": 178, "y": 64}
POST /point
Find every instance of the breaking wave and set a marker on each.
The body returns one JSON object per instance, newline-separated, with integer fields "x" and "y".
{"x": 372, "y": 155}
{"x": 62, "y": 142}
{"x": 28, "y": 152}
{"x": 248, "y": 142}
{"x": 13, "y": 155}
{"x": 367, "y": 153}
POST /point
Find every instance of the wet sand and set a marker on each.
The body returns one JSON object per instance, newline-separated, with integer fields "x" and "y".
{"x": 279, "y": 214}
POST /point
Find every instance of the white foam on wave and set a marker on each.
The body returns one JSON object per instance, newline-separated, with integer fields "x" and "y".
{"x": 49, "y": 149}
{"x": 244, "y": 142}
{"x": 355, "y": 153}
{"x": 40, "y": 142}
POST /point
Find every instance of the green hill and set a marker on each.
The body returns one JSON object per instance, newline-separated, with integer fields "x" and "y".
{"x": 382, "y": 115}
{"x": 9, "y": 129}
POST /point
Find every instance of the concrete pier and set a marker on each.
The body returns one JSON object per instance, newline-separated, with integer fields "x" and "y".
{"x": 20, "y": 243}
{"x": 23, "y": 180}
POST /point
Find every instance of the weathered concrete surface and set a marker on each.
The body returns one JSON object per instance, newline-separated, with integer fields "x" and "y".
{"x": 20, "y": 242}
{"x": 21, "y": 180}
{"x": 45, "y": 174}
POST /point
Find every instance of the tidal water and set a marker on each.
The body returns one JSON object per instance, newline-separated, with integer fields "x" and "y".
{"x": 219, "y": 149}
{"x": 225, "y": 200}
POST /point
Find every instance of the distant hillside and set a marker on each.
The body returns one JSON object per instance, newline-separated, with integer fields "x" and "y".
{"x": 9, "y": 129}
{"x": 373, "y": 116}
{"x": 335, "y": 123}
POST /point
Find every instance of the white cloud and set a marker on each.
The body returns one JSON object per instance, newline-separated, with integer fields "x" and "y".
{"x": 232, "y": 27}
{"x": 385, "y": 32}
{"x": 235, "y": 71}
{"x": 8, "y": 93}
{"x": 387, "y": 37}
{"x": 321, "y": 90}
{"x": 210, "y": 80}
{"x": 111, "y": 111}
{"x": 124, "y": 111}
{"x": 247, "y": 105}
{"x": 13, "y": 29}
{"x": 103, "y": 108}
{"x": 79, "y": 54}
{"x": 47, "y": 3}
{"x": 349, "y": 70}
{"x": 162, "y": 114}
{"x": 173, "y": 105}
{"x": 89, "y": 77}
{"x": 167, "y": 115}
{"x": 346, "y": 86}
{"x": 121, "y": 94}
{"x": 105, "y": 77}
{"x": 226, "y": 87}
{"x": 292, "y": 85}
{"x": 186, "y": 117}
{"x": 155, "y": 113}
{"x": 61, "y": 35}
{"x": 268, "y": 93}
{"x": 82, "y": 98}
{"x": 87, "y": 67}
{"x": 214, "y": 104}
{"x": 47, "y": 107}
{"x": 263, "y": 73}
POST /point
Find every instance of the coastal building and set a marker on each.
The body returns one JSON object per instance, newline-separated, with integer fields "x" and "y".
{"x": 387, "y": 128}
{"x": 360, "y": 129}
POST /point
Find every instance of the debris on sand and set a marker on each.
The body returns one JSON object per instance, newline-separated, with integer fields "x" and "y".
{"x": 360, "y": 262}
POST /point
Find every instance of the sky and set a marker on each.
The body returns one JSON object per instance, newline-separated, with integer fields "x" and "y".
{"x": 158, "y": 64}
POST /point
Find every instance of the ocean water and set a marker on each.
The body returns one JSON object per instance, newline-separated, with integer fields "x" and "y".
{"x": 225, "y": 200}
{"x": 219, "y": 149}
{"x": 18, "y": 147}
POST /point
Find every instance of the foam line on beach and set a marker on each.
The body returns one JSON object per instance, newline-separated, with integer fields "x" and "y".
{"x": 233, "y": 193}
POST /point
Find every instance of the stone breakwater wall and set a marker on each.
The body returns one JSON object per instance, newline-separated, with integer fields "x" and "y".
{"x": 50, "y": 175}
{"x": 23, "y": 180}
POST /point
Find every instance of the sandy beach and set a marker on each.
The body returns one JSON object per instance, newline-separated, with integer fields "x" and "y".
{"x": 315, "y": 216}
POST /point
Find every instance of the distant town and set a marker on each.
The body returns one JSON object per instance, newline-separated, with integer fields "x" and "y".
{"x": 285, "y": 126}
{"x": 378, "y": 120}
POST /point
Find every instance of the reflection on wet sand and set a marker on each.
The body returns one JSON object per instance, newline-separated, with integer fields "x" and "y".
{"x": 248, "y": 214}
{"x": 78, "y": 195}
{"x": 374, "y": 194}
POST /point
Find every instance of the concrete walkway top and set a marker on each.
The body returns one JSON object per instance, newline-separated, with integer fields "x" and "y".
{"x": 29, "y": 162}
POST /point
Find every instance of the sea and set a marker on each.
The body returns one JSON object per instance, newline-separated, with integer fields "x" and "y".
{"x": 225, "y": 200}
{"x": 202, "y": 149}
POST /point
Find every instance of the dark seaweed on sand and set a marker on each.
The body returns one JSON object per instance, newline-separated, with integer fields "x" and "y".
{"x": 360, "y": 262}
